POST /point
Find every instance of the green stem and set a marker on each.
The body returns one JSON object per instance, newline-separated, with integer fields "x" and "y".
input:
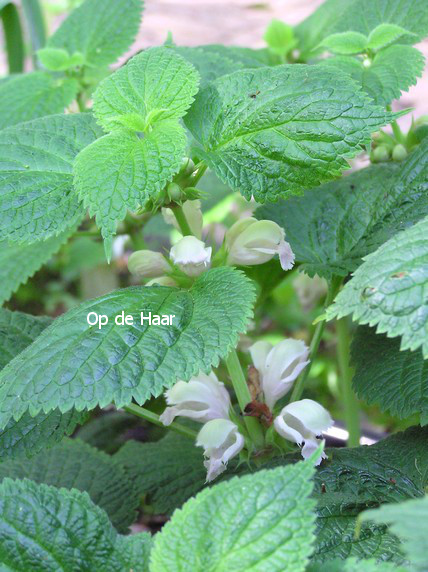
{"x": 13, "y": 38}
{"x": 154, "y": 418}
{"x": 350, "y": 401}
{"x": 182, "y": 221}
{"x": 197, "y": 175}
{"x": 244, "y": 397}
{"x": 36, "y": 26}
{"x": 398, "y": 134}
{"x": 315, "y": 342}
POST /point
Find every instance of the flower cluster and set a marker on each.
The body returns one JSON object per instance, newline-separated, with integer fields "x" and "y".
{"x": 206, "y": 400}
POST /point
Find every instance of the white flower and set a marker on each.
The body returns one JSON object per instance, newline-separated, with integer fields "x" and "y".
{"x": 192, "y": 212}
{"x": 278, "y": 366}
{"x": 191, "y": 255}
{"x": 301, "y": 422}
{"x": 202, "y": 398}
{"x": 148, "y": 264}
{"x": 221, "y": 441}
{"x": 250, "y": 241}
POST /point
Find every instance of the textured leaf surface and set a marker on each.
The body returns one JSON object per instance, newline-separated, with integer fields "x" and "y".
{"x": 19, "y": 262}
{"x": 109, "y": 430}
{"x": 101, "y": 30}
{"x": 355, "y": 565}
{"x": 37, "y": 199}
{"x": 390, "y": 289}
{"x": 272, "y": 133}
{"x": 28, "y": 96}
{"x": 260, "y": 522}
{"x": 50, "y": 529}
{"x": 393, "y": 70}
{"x": 406, "y": 521}
{"x": 155, "y": 85}
{"x": 75, "y": 464}
{"x": 74, "y": 364}
{"x": 120, "y": 171}
{"x": 395, "y": 380}
{"x": 168, "y": 471}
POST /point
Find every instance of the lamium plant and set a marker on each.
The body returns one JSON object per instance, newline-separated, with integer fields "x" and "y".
{"x": 214, "y": 279}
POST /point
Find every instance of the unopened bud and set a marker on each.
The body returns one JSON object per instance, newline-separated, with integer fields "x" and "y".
{"x": 148, "y": 264}
{"x": 399, "y": 153}
{"x": 380, "y": 155}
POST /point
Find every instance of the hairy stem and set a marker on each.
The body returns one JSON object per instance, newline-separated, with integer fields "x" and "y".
{"x": 182, "y": 221}
{"x": 13, "y": 38}
{"x": 197, "y": 174}
{"x": 244, "y": 397}
{"x": 154, "y": 418}
{"x": 350, "y": 402}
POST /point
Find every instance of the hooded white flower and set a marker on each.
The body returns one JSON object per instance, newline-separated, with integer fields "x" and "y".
{"x": 301, "y": 422}
{"x": 278, "y": 366}
{"x": 202, "y": 398}
{"x": 192, "y": 212}
{"x": 191, "y": 255}
{"x": 147, "y": 264}
{"x": 250, "y": 241}
{"x": 221, "y": 441}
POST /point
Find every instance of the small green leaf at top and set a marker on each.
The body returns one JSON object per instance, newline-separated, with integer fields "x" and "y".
{"x": 58, "y": 59}
{"x": 386, "y": 34}
{"x": 279, "y": 37}
{"x": 345, "y": 43}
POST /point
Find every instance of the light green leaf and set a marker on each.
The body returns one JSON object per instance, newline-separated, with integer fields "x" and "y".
{"x": 355, "y": 565}
{"x": 279, "y": 37}
{"x": 37, "y": 199}
{"x": 271, "y": 133}
{"x": 395, "y": 380}
{"x": 61, "y": 530}
{"x": 122, "y": 171}
{"x": 28, "y": 96}
{"x": 384, "y": 35}
{"x": 20, "y": 262}
{"x": 153, "y": 86}
{"x": 74, "y": 364}
{"x": 259, "y": 522}
{"x": 73, "y": 464}
{"x": 345, "y": 43}
{"x": 101, "y": 30}
{"x": 390, "y": 289}
{"x": 406, "y": 520}
{"x": 58, "y": 59}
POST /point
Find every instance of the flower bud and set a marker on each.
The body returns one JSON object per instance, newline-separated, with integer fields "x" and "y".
{"x": 147, "y": 264}
{"x": 301, "y": 422}
{"x": 221, "y": 441}
{"x": 174, "y": 192}
{"x": 399, "y": 153}
{"x": 380, "y": 154}
{"x": 192, "y": 212}
{"x": 250, "y": 241}
{"x": 161, "y": 281}
{"x": 202, "y": 398}
{"x": 191, "y": 255}
{"x": 278, "y": 366}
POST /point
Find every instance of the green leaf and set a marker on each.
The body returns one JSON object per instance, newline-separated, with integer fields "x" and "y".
{"x": 168, "y": 471}
{"x": 74, "y": 364}
{"x": 390, "y": 289}
{"x": 109, "y": 430}
{"x": 74, "y": 464}
{"x": 384, "y": 35}
{"x": 345, "y": 43}
{"x": 246, "y": 57}
{"x": 135, "y": 551}
{"x": 155, "y": 85}
{"x": 37, "y": 199}
{"x": 20, "y": 262}
{"x": 61, "y": 530}
{"x": 279, "y": 37}
{"x": 259, "y": 522}
{"x": 406, "y": 521}
{"x": 355, "y": 565}
{"x": 58, "y": 59}
{"x": 28, "y": 96}
{"x": 392, "y": 71}
{"x": 395, "y": 380}
{"x": 272, "y": 132}
{"x": 101, "y": 30}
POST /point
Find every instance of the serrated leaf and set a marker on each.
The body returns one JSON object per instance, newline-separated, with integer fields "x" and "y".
{"x": 259, "y": 522}
{"x": 345, "y": 43}
{"x": 395, "y": 380}
{"x": 37, "y": 199}
{"x": 60, "y": 530}
{"x": 279, "y": 36}
{"x": 135, "y": 551}
{"x": 109, "y": 430}
{"x": 272, "y": 132}
{"x": 74, "y": 364}
{"x": 19, "y": 262}
{"x": 122, "y": 171}
{"x": 58, "y": 59}
{"x": 28, "y": 96}
{"x": 390, "y": 289}
{"x": 392, "y": 71}
{"x": 406, "y": 520}
{"x": 384, "y": 35}
{"x": 355, "y": 565}
{"x": 168, "y": 471}
{"x": 101, "y": 30}
{"x": 75, "y": 464}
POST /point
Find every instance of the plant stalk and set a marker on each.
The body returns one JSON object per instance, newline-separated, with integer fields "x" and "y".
{"x": 154, "y": 418}
{"x": 13, "y": 38}
{"x": 36, "y": 26}
{"x": 181, "y": 220}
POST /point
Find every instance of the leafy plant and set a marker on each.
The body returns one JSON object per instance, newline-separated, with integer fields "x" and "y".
{"x": 181, "y": 238}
